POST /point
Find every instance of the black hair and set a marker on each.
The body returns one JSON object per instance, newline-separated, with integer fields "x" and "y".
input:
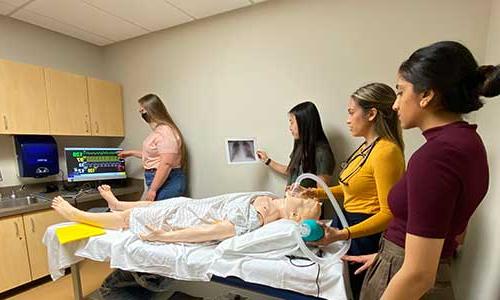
{"x": 450, "y": 70}
{"x": 311, "y": 134}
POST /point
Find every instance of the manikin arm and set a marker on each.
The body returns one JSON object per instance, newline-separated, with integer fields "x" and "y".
{"x": 197, "y": 234}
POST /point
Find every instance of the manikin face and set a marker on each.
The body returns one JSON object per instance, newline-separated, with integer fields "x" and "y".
{"x": 407, "y": 104}
{"x": 299, "y": 209}
{"x": 293, "y": 126}
{"x": 358, "y": 120}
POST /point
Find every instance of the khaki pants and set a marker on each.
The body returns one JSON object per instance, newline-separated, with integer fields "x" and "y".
{"x": 388, "y": 261}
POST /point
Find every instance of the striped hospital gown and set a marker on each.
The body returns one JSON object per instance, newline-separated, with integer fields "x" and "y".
{"x": 182, "y": 212}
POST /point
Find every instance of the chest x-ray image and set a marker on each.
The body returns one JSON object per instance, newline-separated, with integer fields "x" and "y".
{"x": 241, "y": 151}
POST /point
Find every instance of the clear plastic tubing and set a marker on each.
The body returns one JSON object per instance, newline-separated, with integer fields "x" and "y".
{"x": 343, "y": 246}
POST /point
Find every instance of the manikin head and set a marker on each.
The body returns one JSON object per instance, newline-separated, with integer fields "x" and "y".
{"x": 301, "y": 208}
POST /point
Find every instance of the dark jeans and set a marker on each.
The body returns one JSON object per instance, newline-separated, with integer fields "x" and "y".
{"x": 360, "y": 246}
{"x": 174, "y": 186}
{"x": 125, "y": 285}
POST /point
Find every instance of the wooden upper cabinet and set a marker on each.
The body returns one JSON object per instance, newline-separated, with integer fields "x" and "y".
{"x": 15, "y": 269}
{"x": 23, "y": 99}
{"x": 68, "y": 105}
{"x": 106, "y": 108}
{"x": 35, "y": 225}
{"x": 34, "y": 100}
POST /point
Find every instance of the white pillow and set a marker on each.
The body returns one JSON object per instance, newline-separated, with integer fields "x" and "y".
{"x": 273, "y": 240}
{"x": 277, "y": 239}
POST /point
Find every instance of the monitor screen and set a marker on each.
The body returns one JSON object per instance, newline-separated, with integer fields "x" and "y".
{"x": 84, "y": 164}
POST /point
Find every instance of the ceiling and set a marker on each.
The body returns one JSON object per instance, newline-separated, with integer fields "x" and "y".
{"x": 103, "y": 22}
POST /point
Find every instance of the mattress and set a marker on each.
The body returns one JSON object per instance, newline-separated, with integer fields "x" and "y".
{"x": 123, "y": 250}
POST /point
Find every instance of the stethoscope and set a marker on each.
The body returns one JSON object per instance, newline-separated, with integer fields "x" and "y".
{"x": 364, "y": 154}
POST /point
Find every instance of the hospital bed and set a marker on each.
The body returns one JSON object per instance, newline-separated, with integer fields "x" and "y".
{"x": 265, "y": 260}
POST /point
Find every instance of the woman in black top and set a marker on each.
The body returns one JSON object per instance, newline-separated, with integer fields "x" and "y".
{"x": 311, "y": 150}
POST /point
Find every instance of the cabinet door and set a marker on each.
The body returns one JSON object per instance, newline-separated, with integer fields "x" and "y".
{"x": 23, "y": 99}
{"x": 106, "y": 108}
{"x": 15, "y": 268}
{"x": 67, "y": 100}
{"x": 35, "y": 225}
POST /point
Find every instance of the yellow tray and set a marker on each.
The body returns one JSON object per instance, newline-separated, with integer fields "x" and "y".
{"x": 77, "y": 232}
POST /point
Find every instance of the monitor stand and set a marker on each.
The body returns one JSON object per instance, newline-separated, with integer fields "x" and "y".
{"x": 76, "y": 186}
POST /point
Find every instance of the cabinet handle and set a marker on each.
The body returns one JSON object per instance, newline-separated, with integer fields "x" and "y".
{"x": 86, "y": 126}
{"x": 96, "y": 127}
{"x": 32, "y": 225}
{"x": 6, "y": 125}
{"x": 17, "y": 229}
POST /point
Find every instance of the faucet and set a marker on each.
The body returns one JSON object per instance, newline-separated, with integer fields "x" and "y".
{"x": 13, "y": 194}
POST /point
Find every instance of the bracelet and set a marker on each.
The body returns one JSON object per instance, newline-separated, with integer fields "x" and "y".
{"x": 348, "y": 233}
{"x": 268, "y": 161}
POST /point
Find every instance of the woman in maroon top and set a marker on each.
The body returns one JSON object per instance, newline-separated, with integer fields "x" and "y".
{"x": 446, "y": 178}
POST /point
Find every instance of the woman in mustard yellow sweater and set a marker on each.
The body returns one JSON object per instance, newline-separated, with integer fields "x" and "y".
{"x": 368, "y": 174}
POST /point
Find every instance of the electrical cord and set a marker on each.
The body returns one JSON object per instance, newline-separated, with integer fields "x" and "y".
{"x": 62, "y": 175}
{"x": 86, "y": 188}
{"x": 291, "y": 259}
{"x": 317, "y": 279}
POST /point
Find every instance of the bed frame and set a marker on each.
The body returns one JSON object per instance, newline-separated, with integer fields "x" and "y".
{"x": 231, "y": 281}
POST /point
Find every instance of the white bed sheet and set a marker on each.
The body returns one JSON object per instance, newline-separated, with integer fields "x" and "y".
{"x": 191, "y": 262}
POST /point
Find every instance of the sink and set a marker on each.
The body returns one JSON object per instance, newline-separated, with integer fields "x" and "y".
{"x": 21, "y": 201}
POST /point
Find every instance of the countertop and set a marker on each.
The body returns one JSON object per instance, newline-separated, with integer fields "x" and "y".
{"x": 10, "y": 207}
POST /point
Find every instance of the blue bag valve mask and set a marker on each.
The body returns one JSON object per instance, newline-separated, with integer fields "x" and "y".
{"x": 311, "y": 231}
{"x": 341, "y": 246}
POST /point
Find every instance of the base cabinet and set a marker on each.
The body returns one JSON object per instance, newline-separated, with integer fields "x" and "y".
{"x": 23, "y": 256}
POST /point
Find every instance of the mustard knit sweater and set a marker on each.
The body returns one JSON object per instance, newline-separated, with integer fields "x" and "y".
{"x": 368, "y": 187}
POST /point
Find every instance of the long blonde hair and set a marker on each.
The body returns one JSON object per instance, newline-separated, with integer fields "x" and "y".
{"x": 158, "y": 113}
{"x": 381, "y": 97}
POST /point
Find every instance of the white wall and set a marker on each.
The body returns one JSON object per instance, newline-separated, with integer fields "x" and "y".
{"x": 238, "y": 74}
{"x": 477, "y": 271}
{"x": 26, "y": 43}
{"x": 31, "y": 44}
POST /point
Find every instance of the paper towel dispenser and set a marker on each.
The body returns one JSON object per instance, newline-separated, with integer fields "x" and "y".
{"x": 36, "y": 155}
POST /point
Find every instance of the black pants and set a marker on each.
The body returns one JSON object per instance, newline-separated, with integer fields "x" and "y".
{"x": 125, "y": 285}
{"x": 360, "y": 246}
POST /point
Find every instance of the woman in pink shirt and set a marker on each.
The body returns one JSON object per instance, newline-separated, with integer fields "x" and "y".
{"x": 162, "y": 151}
